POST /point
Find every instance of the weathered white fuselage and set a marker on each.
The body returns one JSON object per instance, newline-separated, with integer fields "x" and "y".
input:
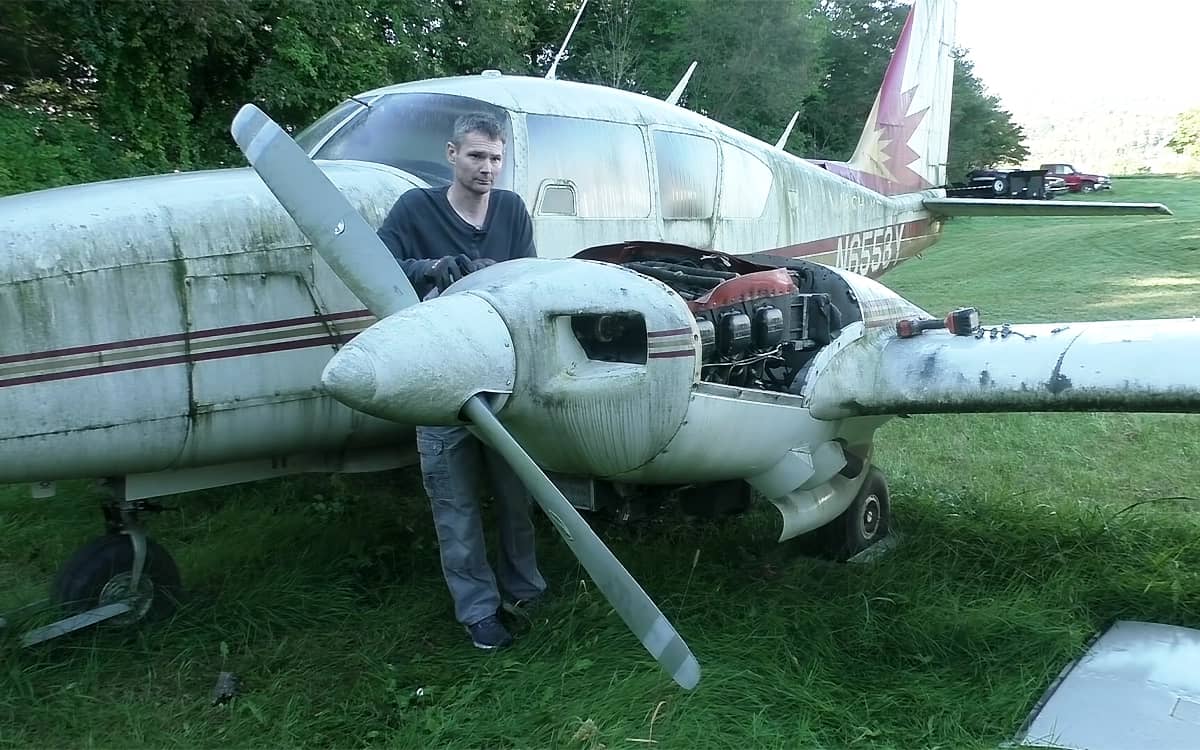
{"x": 179, "y": 322}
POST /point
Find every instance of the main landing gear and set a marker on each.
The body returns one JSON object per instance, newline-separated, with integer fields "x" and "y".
{"x": 865, "y": 522}
{"x": 119, "y": 579}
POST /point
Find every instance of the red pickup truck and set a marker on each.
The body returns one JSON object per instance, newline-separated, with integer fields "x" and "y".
{"x": 1078, "y": 181}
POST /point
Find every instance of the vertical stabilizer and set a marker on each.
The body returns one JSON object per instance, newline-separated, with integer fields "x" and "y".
{"x": 904, "y": 143}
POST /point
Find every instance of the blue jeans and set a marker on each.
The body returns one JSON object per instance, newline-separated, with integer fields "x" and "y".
{"x": 453, "y": 463}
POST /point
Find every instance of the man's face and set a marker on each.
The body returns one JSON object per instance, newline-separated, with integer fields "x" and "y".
{"x": 476, "y": 161}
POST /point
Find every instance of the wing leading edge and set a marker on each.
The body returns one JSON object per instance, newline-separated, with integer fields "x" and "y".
{"x": 991, "y": 207}
{"x": 1123, "y": 366}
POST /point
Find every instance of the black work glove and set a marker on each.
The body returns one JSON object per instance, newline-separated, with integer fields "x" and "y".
{"x": 443, "y": 272}
{"x": 471, "y": 265}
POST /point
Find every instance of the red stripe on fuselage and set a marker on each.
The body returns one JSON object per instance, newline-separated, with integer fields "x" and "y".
{"x": 185, "y": 336}
{"x": 918, "y": 230}
{"x": 179, "y": 359}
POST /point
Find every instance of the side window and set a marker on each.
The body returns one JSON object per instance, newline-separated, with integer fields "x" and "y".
{"x": 687, "y": 175}
{"x": 747, "y": 184}
{"x": 588, "y": 168}
{"x": 558, "y": 199}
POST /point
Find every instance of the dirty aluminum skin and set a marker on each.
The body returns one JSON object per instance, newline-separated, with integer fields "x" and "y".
{"x": 1137, "y": 365}
{"x": 1137, "y": 686}
{"x": 172, "y": 268}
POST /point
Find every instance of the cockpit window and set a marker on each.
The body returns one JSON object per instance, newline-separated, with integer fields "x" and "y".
{"x": 410, "y": 132}
{"x": 312, "y": 135}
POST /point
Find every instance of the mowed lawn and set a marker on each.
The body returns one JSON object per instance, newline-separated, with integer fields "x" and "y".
{"x": 1021, "y": 537}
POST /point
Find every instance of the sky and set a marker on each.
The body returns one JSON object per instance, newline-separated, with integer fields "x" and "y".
{"x": 1039, "y": 53}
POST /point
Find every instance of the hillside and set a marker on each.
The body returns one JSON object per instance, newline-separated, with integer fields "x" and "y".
{"x": 1114, "y": 135}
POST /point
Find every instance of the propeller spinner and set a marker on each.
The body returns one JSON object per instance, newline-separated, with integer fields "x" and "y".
{"x": 356, "y": 254}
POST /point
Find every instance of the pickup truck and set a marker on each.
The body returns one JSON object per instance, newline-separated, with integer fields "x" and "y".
{"x": 1029, "y": 184}
{"x": 1078, "y": 182}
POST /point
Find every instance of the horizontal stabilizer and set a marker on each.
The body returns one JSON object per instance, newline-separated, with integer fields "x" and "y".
{"x": 1000, "y": 207}
{"x": 1121, "y": 366}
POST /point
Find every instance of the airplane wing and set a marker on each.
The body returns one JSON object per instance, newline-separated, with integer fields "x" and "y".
{"x": 992, "y": 207}
{"x": 1135, "y": 365}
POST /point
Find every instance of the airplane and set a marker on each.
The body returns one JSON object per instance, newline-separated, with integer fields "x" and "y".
{"x": 187, "y": 331}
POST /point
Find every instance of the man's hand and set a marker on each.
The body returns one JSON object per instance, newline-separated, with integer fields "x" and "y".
{"x": 444, "y": 272}
{"x": 471, "y": 265}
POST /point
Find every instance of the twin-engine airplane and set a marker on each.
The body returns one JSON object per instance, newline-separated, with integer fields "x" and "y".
{"x": 703, "y": 323}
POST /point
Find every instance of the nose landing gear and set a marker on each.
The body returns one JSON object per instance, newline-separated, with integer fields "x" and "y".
{"x": 121, "y": 578}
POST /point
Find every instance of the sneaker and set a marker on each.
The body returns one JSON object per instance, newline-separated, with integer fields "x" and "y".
{"x": 489, "y": 633}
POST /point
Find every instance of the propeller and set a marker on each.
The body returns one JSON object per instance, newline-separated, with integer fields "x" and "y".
{"x": 356, "y": 254}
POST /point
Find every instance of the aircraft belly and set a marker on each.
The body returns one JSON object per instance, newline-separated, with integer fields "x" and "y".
{"x": 87, "y": 452}
{"x": 275, "y": 428}
{"x": 731, "y": 433}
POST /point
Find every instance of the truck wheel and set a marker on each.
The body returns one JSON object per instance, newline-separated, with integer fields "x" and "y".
{"x": 1000, "y": 186}
{"x": 1086, "y": 187}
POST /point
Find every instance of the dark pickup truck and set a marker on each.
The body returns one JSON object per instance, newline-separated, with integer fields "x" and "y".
{"x": 1032, "y": 184}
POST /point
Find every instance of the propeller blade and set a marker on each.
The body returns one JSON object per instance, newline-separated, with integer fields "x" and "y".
{"x": 629, "y": 600}
{"x": 343, "y": 238}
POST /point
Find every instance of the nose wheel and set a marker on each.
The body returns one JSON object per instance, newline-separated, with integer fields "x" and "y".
{"x": 119, "y": 579}
{"x": 101, "y": 574}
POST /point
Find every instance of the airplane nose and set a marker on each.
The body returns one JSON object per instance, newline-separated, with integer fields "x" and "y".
{"x": 420, "y": 365}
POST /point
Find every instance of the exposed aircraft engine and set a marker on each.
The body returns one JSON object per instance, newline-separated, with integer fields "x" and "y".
{"x": 759, "y": 326}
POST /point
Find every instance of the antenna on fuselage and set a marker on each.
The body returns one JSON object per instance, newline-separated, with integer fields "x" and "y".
{"x": 673, "y": 97}
{"x": 551, "y": 74}
{"x": 787, "y": 131}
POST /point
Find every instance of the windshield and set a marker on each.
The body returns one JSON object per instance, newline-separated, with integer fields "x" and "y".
{"x": 410, "y": 132}
{"x": 312, "y": 135}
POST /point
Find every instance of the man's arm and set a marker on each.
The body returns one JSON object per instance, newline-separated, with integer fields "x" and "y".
{"x": 523, "y": 245}
{"x": 397, "y": 235}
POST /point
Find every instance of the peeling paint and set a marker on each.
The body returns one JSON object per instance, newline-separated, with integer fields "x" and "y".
{"x": 1108, "y": 362}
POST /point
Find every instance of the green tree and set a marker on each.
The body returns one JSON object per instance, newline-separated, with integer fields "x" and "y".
{"x": 756, "y": 62}
{"x": 859, "y": 41}
{"x": 981, "y": 133}
{"x": 862, "y": 36}
{"x": 1186, "y": 139}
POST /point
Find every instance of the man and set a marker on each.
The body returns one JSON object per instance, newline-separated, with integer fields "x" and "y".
{"x": 439, "y": 235}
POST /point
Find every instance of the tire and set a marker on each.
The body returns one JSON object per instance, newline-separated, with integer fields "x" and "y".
{"x": 865, "y": 522}
{"x": 1086, "y": 187}
{"x": 99, "y": 572}
{"x": 1000, "y": 186}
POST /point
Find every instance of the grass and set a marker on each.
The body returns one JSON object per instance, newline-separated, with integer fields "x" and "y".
{"x": 324, "y": 594}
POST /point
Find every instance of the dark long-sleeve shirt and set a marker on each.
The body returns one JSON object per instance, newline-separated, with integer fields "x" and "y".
{"x": 423, "y": 227}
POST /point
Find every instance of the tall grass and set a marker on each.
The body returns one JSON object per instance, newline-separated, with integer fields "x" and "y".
{"x": 1021, "y": 538}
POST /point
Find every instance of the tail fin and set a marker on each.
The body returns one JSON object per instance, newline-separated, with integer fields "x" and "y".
{"x": 904, "y": 143}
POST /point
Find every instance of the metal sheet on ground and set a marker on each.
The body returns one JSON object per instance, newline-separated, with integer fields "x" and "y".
{"x": 1137, "y": 686}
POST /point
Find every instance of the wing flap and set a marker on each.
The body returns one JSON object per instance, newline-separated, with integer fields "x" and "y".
{"x": 1000, "y": 207}
{"x": 1124, "y": 366}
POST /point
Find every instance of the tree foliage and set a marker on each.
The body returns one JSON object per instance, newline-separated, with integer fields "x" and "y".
{"x": 107, "y": 88}
{"x": 981, "y": 133}
{"x": 1186, "y": 139}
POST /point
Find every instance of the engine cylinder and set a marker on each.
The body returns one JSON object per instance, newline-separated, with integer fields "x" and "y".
{"x": 733, "y": 334}
{"x": 768, "y": 328}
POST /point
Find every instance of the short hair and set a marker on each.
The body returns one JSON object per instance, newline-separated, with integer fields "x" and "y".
{"x": 477, "y": 122}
